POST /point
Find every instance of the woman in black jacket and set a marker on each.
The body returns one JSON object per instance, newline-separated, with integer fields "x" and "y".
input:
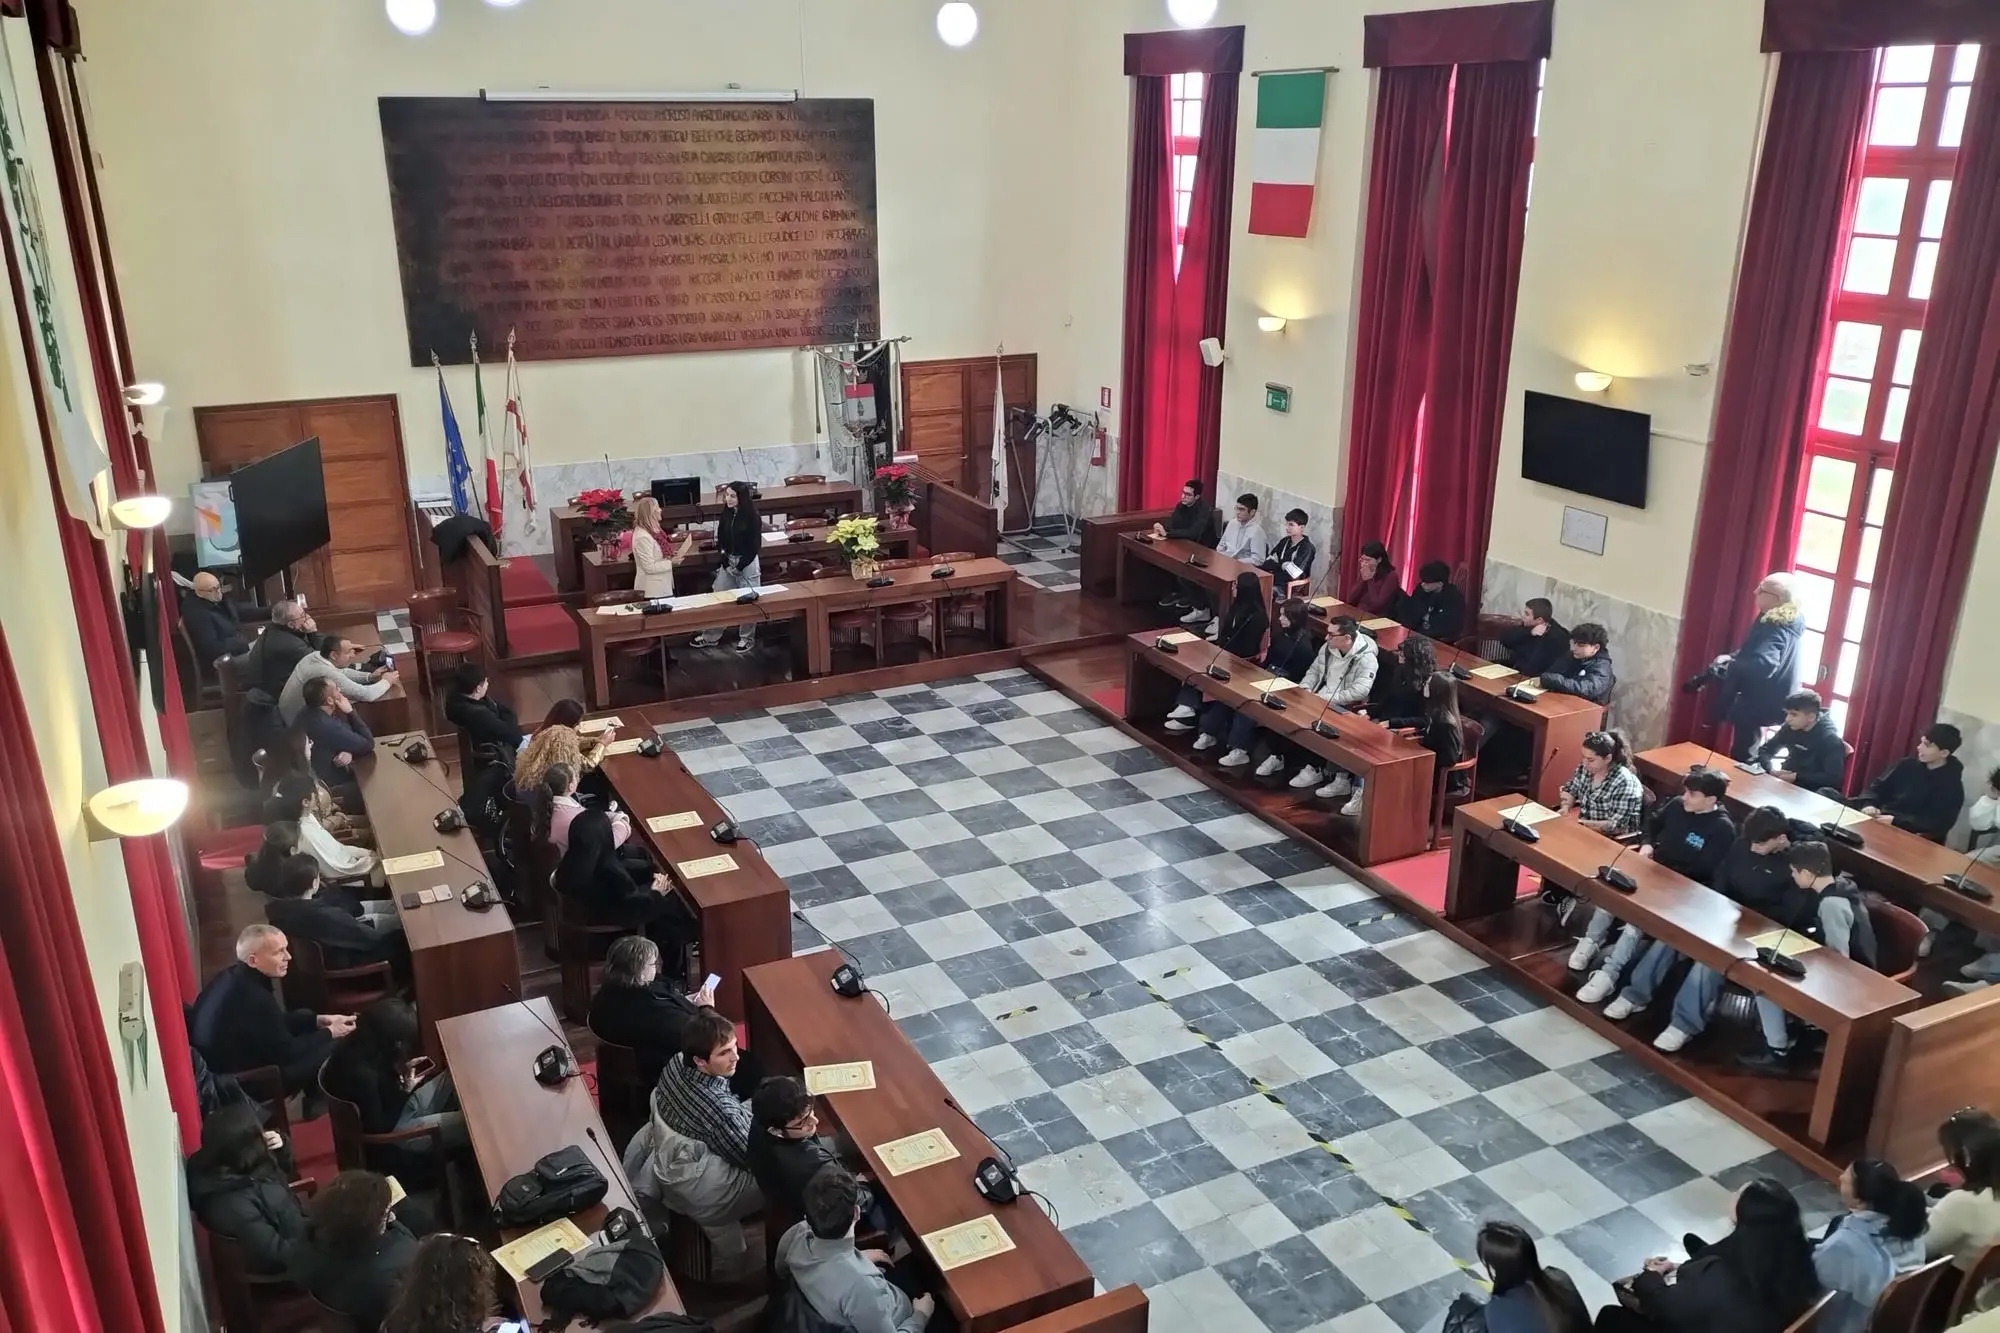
{"x": 355, "y": 1251}
{"x": 1436, "y": 722}
{"x": 639, "y": 1008}
{"x": 483, "y": 722}
{"x": 610, "y": 891}
{"x": 1240, "y": 633}
{"x": 1400, "y": 690}
{"x": 1757, "y": 1279}
{"x": 739, "y": 539}
{"x": 377, "y": 1067}
{"x": 237, "y": 1190}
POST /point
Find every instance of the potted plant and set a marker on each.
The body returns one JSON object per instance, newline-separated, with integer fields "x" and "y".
{"x": 896, "y": 495}
{"x": 610, "y": 519}
{"x": 855, "y": 539}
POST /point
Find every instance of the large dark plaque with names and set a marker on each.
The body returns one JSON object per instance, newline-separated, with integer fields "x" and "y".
{"x": 632, "y": 228}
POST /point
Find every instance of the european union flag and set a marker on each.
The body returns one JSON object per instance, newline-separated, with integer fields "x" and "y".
{"x": 455, "y": 464}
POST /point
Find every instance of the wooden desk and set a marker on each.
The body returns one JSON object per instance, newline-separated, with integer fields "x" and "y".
{"x": 601, "y": 575}
{"x": 1555, "y": 723}
{"x": 795, "y": 1020}
{"x": 1894, "y": 861}
{"x": 393, "y": 711}
{"x": 1851, "y": 1002}
{"x": 1395, "y": 818}
{"x": 1098, "y": 543}
{"x": 1149, "y": 570}
{"x": 991, "y": 578}
{"x": 745, "y": 914}
{"x": 515, "y": 1122}
{"x": 598, "y": 630}
{"x": 462, "y": 961}
{"x": 572, "y": 528}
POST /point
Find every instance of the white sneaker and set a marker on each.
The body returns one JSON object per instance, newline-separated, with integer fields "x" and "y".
{"x": 1236, "y": 759}
{"x": 1924, "y": 944}
{"x": 1271, "y": 767}
{"x": 1352, "y": 810}
{"x": 1671, "y": 1040}
{"x": 1177, "y": 726}
{"x": 706, "y": 639}
{"x": 1620, "y": 1009}
{"x": 1582, "y": 955}
{"x": 1341, "y": 785}
{"x": 1214, "y": 631}
{"x": 1307, "y": 777}
{"x": 1205, "y": 741}
{"x": 1195, "y": 617}
{"x": 1597, "y": 989}
{"x": 1181, "y": 713}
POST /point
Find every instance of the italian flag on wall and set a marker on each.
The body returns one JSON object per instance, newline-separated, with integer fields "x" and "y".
{"x": 1284, "y": 153}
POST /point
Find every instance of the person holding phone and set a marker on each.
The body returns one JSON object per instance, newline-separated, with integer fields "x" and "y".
{"x": 377, "y": 1067}
{"x": 639, "y": 1008}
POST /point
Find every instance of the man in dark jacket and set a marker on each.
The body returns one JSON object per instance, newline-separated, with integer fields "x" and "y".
{"x": 1764, "y": 669}
{"x": 237, "y": 1024}
{"x": 1925, "y": 792}
{"x": 286, "y": 642}
{"x": 1587, "y": 671}
{"x": 214, "y": 626}
{"x": 296, "y": 906}
{"x": 1291, "y": 560}
{"x": 1539, "y": 643}
{"x": 1192, "y": 520}
{"x": 1807, "y": 751}
{"x": 1435, "y": 608}
{"x": 785, "y": 1148}
{"x": 339, "y": 735}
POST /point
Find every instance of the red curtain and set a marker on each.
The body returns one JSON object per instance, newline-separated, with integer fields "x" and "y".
{"x": 1863, "y": 25}
{"x": 1149, "y": 288}
{"x": 1945, "y": 464}
{"x": 1393, "y": 331}
{"x": 1746, "y": 527}
{"x": 68, "y": 1163}
{"x": 1482, "y": 217}
{"x": 1475, "y": 34}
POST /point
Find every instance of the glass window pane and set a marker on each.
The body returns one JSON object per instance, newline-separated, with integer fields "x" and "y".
{"x": 1854, "y": 349}
{"x": 1843, "y": 674}
{"x": 1878, "y": 496}
{"x": 1869, "y": 261}
{"x": 1934, "y": 205}
{"x": 1815, "y": 596}
{"x": 1892, "y": 414}
{"x": 1184, "y": 174}
{"x": 1830, "y": 485}
{"x": 1177, "y": 86}
{"x": 1952, "y": 132}
{"x": 1857, "y": 616}
{"x": 1182, "y": 202}
{"x": 1194, "y": 83}
{"x": 1923, "y": 270}
{"x": 1905, "y": 368}
{"x": 1906, "y": 64}
{"x": 1819, "y": 548}
{"x": 1871, "y": 544}
{"x": 1810, "y": 648}
{"x": 1899, "y": 117}
{"x": 1963, "y": 62}
{"x": 1845, "y": 406}
{"x": 1878, "y": 208}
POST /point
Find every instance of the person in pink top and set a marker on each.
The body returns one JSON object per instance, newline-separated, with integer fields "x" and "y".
{"x": 557, "y": 807}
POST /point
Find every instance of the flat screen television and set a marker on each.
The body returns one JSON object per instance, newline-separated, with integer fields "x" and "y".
{"x": 1587, "y": 448}
{"x": 280, "y": 510}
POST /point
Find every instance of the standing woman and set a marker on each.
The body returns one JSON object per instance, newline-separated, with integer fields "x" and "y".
{"x": 652, "y": 567}
{"x": 739, "y": 536}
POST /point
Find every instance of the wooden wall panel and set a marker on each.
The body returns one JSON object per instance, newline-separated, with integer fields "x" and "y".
{"x": 1939, "y": 1059}
{"x": 948, "y": 423}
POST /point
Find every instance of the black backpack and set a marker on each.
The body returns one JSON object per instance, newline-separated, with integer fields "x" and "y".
{"x": 613, "y": 1281}
{"x": 562, "y": 1183}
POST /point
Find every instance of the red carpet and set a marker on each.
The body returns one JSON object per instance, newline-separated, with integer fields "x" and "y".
{"x": 1113, "y": 699}
{"x": 543, "y": 628}
{"x": 1426, "y": 877}
{"x": 522, "y": 583}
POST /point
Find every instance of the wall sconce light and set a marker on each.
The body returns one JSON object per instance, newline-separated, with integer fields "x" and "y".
{"x": 146, "y": 393}
{"x": 1271, "y": 323}
{"x": 141, "y": 511}
{"x": 1592, "y": 381}
{"x": 136, "y": 809}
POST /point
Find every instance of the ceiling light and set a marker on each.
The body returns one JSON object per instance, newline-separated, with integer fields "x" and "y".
{"x": 412, "y": 18}
{"x": 137, "y": 809}
{"x": 1592, "y": 381}
{"x": 141, "y": 511}
{"x": 1271, "y": 323}
{"x": 957, "y": 23}
{"x": 1191, "y": 13}
{"x": 145, "y": 393}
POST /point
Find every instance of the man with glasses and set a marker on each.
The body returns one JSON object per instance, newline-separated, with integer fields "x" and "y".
{"x": 786, "y": 1152}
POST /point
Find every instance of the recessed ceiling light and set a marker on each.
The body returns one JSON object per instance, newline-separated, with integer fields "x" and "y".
{"x": 412, "y": 18}
{"x": 957, "y": 23}
{"x": 1191, "y": 13}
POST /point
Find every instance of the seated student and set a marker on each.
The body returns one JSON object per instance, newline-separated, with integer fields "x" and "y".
{"x": 1341, "y": 675}
{"x": 380, "y": 1067}
{"x": 355, "y": 1250}
{"x": 1290, "y": 652}
{"x": 292, "y": 803}
{"x": 1240, "y": 633}
{"x": 1291, "y": 560}
{"x": 449, "y": 1288}
{"x": 1538, "y": 644}
{"x": 1587, "y": 671}
{"x": 485, "y": 722}
{"x": 637, "y": 1007}
{"x": 1604, "y": 793}
{"x": 1755, "y": 873}
{"x": 786, "y": 1151}
{"x": 1242, "y": 539}
{"x": 557, "y": 741}
{"x": 1436, "y": 722}
{"x": 236, "y": 1189}
{"x": 845, "y": 1286}
{"x": 289, "y": 755}
{"x": 1880, "y": 1235}
{"x": 1925, "y": 792}
{"x": 1376, "y": 590}
{"x": 1400, "y": 689}
{"x": 1192, "y": 519}
{"x": 1757, "y": 1279}
{"x": 696, "y": 1150}
{"x": 1822, "y": 906}
{"x": 1807, "y": 751}
{"x": 297, "y": 906}
{"x": 1691, "y": 834}
{"x": 339, "y": 735}
{"x": 1527, "y": 1298}
{"x": 1966, "y": 1220}
{"x": 610, "y": 891}
{"x": 333, "y": 660}
{"x": 555, "y": 808}
{"x": 1435, "y": 607}
{"x": 237, "y": 1023}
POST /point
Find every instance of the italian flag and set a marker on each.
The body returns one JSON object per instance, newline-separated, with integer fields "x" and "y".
{"x": 1284, "y": 153}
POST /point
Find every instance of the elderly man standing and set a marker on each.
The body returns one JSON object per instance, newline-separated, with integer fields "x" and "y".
{"x": 333, "y": 662}
{"x": 237, "y": 1023}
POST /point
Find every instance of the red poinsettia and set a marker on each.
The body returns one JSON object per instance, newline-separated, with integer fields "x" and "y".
{"x": 892, "y": 484}
{"x": 606, "y": 509}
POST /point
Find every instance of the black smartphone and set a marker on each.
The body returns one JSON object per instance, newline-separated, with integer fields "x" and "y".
{"x": 549, "y": 1265}
{"x": 412, "y": 900}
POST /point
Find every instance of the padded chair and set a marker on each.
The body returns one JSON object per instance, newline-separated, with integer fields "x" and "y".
{"x": 251, "y": 1300}
{"x": 962, "y": 615}
{"x": 1898, "y": 932}
{"x": 1443, "y": 799}
{"x": 414, "y": 1155}
{"x": 1985, "y": 1269}
{"x": 205, "y": 681}
{"x": 311, "y": 984}
{"x": 580, "y": 947}
{"x": 1900, "y": 1307}
{"x": 806, "y": 479}
{"x": 446, "y": 634}
{"x": 623, "y": 1098}
{"x": 1847, "y": 766}
{"x": 632, "y": 652}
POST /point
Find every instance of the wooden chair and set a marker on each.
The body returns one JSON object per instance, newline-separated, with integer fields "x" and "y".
{"x": 331, "y": 1320}
{"x": 432, "y": 615}
{"x": 622, "y": 1096}
{"x": 1898, "y": 933}
{"x": 580, "y": 947}
{"x": 206, "y": 680}
{"x": 408, "y": 1153}
{"x": 1901, "y": 1305}
{"x": 960, "y": 613}
{"x": 857, "y": 625}
{"x": 631, "y": 652}
{"x": 806, "y": 479}
{"x": 1985, "y": 1269}
{"x": 1443, "y": 799}
{"x": 311, "y": 984}
{"x": 1847, "y": 767}
{"x": 1808, "y": 1321}
{"x": 265, "y": 1084}
{"x": 250, "y": 1300}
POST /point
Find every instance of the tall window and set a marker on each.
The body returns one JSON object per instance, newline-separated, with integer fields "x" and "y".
{"x": 1869, "y": 349}
{"x": 1184, "y": 106}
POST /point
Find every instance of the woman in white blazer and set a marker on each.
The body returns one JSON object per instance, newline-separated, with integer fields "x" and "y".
{"x": 652, "y": 567}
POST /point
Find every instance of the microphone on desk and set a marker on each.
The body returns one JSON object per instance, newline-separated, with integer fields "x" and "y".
{"x": 1510, "y": 822}
{"x": 1773, "y": 958}
{"x": 1320, "y": 726}
{"x": 1965, "y": 885}
{"x": 619, "y": 1222}
{"x": 555, "y": 1065}
{"x": 848, "y": 980}
{"x": 478, "y": 895}
{"x": 995, "y": 1177}
{"x": 1837, "y": 830}
{"x": 416, "y": 752}
{"x": 1614, "y": 877}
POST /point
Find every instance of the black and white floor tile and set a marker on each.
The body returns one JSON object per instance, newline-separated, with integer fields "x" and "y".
{"x": 1241, "y": 1079}
{"x": 394, "y": 627}
{"x": 1043, "y": 558}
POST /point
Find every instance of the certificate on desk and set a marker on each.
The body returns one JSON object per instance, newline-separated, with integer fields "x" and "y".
{"x": 856, "y": 1076}
{"x": 706, "y": 866}
{"x": 1494, "y": 671}
{"x": 968, "y": 1242}
{"x": 403, "y": 865}
{"x": 1272, "y": 685}
{"x": 1787, "y": 942}
{"x": 899, "y": 1157}
{"x": 630, "y": 745}
{"x": 518, "y": 1256}
{"x": 1529, "y": 813}
{"x": 596, "y": 724}
{"x": 1380, "y": 623}
{"x": 668, "y": 823}
{"x": 1181, "y": 636}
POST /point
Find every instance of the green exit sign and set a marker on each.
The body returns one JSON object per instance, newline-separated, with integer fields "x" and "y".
{"x": 1278, "y": 397}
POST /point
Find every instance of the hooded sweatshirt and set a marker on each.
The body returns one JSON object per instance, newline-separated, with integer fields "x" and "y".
{"x": 1343, "y": 678}
{"x": 1815, "y": 757}
{"x": 1918, "y": 797}
{"x": 1694, "y": 845}
{"x": 1758, "y": 882}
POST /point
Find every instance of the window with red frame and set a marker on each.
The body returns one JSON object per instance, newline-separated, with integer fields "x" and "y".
{"x": 1869, "y": 350}
{"x": 1184, "y": 107}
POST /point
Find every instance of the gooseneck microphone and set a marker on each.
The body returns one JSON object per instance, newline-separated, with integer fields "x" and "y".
{"x": 555, "y": 1065}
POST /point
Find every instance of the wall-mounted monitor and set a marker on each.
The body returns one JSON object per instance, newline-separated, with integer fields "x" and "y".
{"x": 280, "y": 510}
{"x": 1586, "y": 447}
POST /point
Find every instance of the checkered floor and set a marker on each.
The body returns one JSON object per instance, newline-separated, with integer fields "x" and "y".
{"x": 394, "y": 627}
{"x": 1241, "y": 1080}
{"x": 1040, "y": 557}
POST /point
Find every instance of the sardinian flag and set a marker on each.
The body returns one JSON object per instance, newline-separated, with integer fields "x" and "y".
{"x": 514, "y": 437}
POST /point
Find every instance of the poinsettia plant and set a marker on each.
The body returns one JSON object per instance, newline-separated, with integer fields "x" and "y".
{"x": 855, "y": 538}
{"x": 607, "y": 510}
{"x": 892, "y": 484}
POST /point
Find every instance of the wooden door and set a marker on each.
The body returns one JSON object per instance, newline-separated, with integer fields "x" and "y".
{"x": 369, "y": 561}
{"x": 948, "y": 424}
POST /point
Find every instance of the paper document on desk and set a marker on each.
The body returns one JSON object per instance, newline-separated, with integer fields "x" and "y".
{"x": 857, "y": 1076}
{"x": 1529, "y": 688}
{"x": 902, "y": 1156}
{"x": 706, "y": 866}
{"x": 403, "y": 865}
{"x": 1272, "y": 685}
{"x": 1380, "y": 623}
{"x": 627, "y": 609}
{"x": 968, "y": 1242}
{"x": 668, "y": 823}
{"x": 517, "y": 1257}
{"x": 1494, "y": 671}
{"x": 1324, "y": 603}
{"x": 1181, "y": 636}
{"x": 1794, "y": 943}
{"x": 396, "y": 1191}
{"x": 596, "y": 724}
{"x": 630, "y": 745}
{"x": 1531, "y": 814}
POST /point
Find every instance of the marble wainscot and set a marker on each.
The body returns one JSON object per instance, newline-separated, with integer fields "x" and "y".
{"x": 1642, "y": 643}
{"x": 1273, "y": 502}
{"x": 1980, "y": 754}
